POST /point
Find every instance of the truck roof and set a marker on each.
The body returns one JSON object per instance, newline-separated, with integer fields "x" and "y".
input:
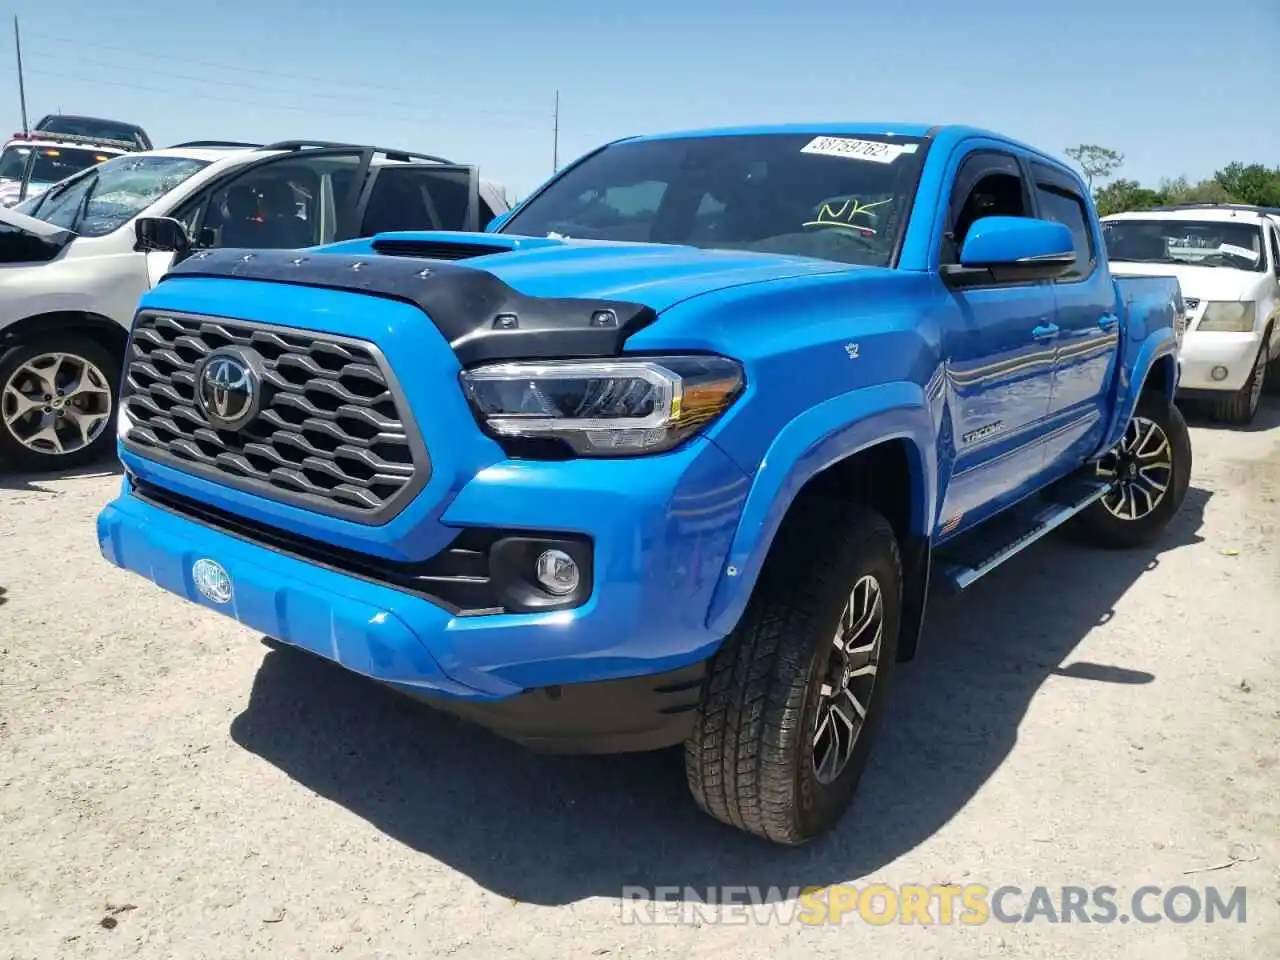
{"x": 1214, "y": 213}
{"x": 943, "y": 132}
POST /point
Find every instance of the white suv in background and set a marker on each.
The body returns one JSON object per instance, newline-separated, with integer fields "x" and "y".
{"x": 1227, "y": 261}
{"x": 75, "y": 260}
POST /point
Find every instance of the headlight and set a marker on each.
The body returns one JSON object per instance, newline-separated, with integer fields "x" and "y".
{"x": 604, "y": 408}
{"x": 1228, "y": 316}
{"x": 123, "y": 421}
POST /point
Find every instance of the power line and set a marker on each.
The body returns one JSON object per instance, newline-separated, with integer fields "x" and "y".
{"x": 81, "y": 61}
{"x": 63, "y": 75}
{"x": 237, "y": 68}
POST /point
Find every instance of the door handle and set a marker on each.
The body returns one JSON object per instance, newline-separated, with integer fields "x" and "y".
{"x": 1108, "y": 322}
{"x": 1045, "y": 331}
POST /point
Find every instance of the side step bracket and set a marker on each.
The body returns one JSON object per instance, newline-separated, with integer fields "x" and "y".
{"x": 971, "y": 556}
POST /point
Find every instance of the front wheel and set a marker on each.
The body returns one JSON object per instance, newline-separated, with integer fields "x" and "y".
{"x": 793, "y": 697}
{"x": 57, "y": 400}
{"x": 1150, "y": 472}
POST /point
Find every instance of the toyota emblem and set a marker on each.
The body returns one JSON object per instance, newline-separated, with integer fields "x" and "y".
{"x": 229, "y": 387}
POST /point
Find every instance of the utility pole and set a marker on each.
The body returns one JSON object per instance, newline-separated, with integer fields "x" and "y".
{"x": 22, "y": 92}
{"x": 555, "y": 133}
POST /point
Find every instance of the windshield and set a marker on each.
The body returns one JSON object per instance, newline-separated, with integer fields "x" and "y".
{"x": 835, "y": 198}
{"x": 57, "y": 163}
{"x": 89, "y": 127}
{"x": 13, "y": 162}
{"x": 1200, "y": 243}
{"x": 113, "y": 193}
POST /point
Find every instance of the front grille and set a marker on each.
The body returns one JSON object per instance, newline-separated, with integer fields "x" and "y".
{"x": 332, "y": 432}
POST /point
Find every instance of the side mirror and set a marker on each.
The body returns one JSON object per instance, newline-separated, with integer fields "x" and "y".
{"x": 161, "y": 234}
{"x": 1012, "y": 250}
{"x": 493, "y": 225}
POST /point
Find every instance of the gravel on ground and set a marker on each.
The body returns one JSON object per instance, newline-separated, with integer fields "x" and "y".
{"x": 171, "y": 785}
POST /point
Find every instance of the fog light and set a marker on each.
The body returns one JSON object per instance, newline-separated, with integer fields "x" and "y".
{"x": 1218, "y": 373}
{"x": 557, "y": 572}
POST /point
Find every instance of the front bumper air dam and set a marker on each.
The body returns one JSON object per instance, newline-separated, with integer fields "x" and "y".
{"x": 621, "y": 672}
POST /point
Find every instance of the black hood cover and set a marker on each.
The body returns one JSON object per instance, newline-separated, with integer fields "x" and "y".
{"x": 482, "y": 317}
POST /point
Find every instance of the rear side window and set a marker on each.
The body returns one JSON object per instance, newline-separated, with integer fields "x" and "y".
{"x": 1066, "y": 208}
{"x": 417, "y": 197}
{"x": 1275, "y": 251}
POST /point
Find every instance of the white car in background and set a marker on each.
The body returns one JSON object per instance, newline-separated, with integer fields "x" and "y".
{"x": 75, "y": 260}
{"x": 1227, "y": 261}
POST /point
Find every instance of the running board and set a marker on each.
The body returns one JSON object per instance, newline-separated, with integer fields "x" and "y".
{"x": 971, "y": 556}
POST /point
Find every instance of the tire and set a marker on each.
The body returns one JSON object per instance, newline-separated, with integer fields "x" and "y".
{"x": 1241, "y": 407}
{"x": 1272, "y": 382}
{"x": 1104, "y": 523}
{"x": 750, "y": 762}
{"x": 40, "y": 368}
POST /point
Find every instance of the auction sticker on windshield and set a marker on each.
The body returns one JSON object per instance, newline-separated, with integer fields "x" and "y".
{"x": 1233, "y": 250}
{"x": 858, "y": 149}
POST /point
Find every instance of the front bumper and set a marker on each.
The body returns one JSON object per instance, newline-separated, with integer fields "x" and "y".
{"x": 1217, "y": 361}
{"x": 657, "y": 560}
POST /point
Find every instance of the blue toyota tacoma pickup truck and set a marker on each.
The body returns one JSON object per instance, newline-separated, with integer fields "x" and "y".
{"x": 672, "y": 453}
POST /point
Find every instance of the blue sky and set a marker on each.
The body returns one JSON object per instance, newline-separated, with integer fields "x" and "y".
{"x": 1179, "y": 87}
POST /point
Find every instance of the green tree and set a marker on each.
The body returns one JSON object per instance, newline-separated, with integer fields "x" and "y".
{"x": 1096, "y": 162}
{"x": 1206, "y": 191}
{"x": 1253, "y": 183}
{"x": 1120, "y": 196}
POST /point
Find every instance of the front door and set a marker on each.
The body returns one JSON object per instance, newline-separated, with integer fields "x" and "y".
{"x": 998, "y": 342}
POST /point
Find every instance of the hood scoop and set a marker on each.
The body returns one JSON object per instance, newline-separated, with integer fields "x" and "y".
{"x": 452, "y": 245}
{"x": 434, "y": 249}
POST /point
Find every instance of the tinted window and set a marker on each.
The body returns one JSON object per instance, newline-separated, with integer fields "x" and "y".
{"x": 93, "y": 127}
{"x": 1069, "y": 210}
{"x": 986, "y": 185}
{"x": 417, "y": 198}
{"x": 835, "y": 198}
{"x": 1275, "y": 249}
{"x": 57, "y": 163}
{"x": 1201, "y": 243}
{"x": 13, "y": 162}
{"x": 282, "y": 205}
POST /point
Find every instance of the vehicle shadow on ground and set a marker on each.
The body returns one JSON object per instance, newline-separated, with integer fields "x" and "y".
{"x": 555, "y": 830}
{"x": 1199, "y": 414}
{"x": 108, "y": 466}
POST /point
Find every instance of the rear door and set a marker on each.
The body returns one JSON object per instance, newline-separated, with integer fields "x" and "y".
{"x": 1088, "y": 326}
{"x": 421, "y": 196}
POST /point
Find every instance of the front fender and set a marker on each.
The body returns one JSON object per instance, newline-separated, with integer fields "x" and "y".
{"x": 1159, "y": 347}
{"x": 819, "y": 437}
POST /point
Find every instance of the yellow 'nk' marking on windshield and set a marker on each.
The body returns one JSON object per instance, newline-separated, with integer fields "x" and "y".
{"x": 845, "y": 216}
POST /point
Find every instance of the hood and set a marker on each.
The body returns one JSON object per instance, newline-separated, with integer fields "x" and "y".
{"x": 655, "y": 275}
{"x": 37, "y": 228}
{"x": 1201, "y": 283}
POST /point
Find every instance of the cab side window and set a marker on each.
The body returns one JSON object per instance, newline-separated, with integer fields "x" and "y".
{"x": 1275, "y": 250}
{"x": 987, "y": 184}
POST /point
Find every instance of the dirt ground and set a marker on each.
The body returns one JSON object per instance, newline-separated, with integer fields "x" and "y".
{"x": 170, "y": 786}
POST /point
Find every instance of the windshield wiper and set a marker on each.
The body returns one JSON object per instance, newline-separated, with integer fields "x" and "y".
{"x": 83, "y": 206}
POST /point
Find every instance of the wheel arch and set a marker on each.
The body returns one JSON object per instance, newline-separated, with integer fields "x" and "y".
{"x": 102, "y": 330}
{"x": 874, "y": 446}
